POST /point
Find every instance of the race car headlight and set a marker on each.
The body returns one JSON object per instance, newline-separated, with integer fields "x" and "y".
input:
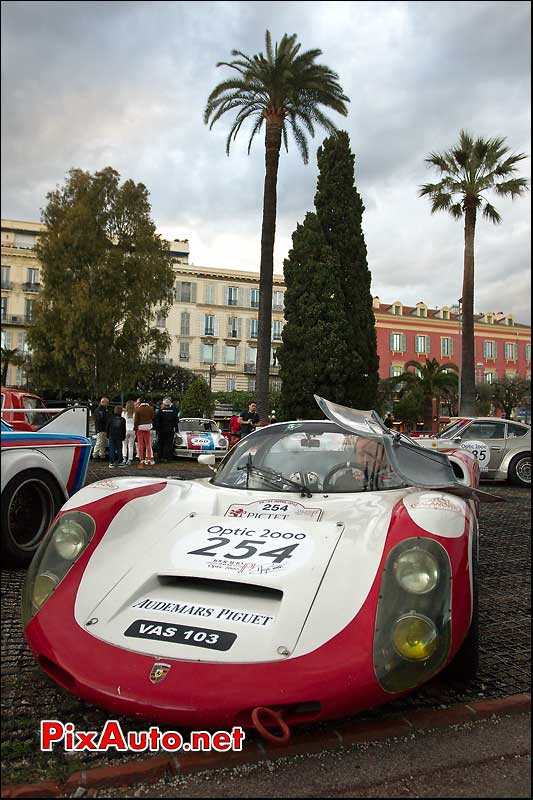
{"x": 64, "y": 543}
{"x": 412, "y": 634}
{"x": 416, "y": 571}
{"x": 415, "y": 637}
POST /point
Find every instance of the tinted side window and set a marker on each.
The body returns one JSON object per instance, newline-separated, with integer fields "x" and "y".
{"x": 484, "y": 430}
{"x": 515, "y": 430}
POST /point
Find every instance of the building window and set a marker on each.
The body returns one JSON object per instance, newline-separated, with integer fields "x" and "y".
{"x": 185, "y": 323}
{"x": 254, "y": 298}
{"x": 421, "y": 311}
{"x": 446, "y": 346}
{"x": 277, "y": 303}
{"x": 231, "y": 355}
{"x": 511, "y": 351}
{"x": 275, "y": 385}
{"x": 397, "y": 342}
{"x": 184, "y": 351}
{"x": 185, "y": 292}
{"x": 251, "y": 384}
{"x": 231, "y": 384}
{"x": 510, "y": 321}
{"x": 274, "y": 358}
{"x": 422, "y": 344}
{"x": 445, "y": 314}
{"x": 276, "y": 330}
{"x": 232, "y": 296}
{"x": 528, "y": 352}
{"x": 208, "y": 353}
{"x": 6, "y": 278}
{"x": 160, "y": 320}
{"x": 209, "y": 325}
{"x": 4, "y": 309}
{"x": 397, "y": 310}
{"x": 254, "y": 328}
{"x": 28, "y": 310}
{"x": 489, "y": 349}
{"x": 234, "y": 327}
{"x": 210, "y": 294}
{"x": 25, "y": 241}
{"x": 32, "y": 275}
{"x": 7, "y": 340}
{"x": 490, "y": 377}
{"x": 395, "y": 371}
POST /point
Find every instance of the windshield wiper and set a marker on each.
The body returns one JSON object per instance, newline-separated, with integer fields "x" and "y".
{"x": 275, "y": 477}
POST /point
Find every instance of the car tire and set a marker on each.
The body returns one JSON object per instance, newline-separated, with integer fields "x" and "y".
{"x": 520, "y": 470}
{"x": 465, "y": 664}
{"x": 30, "y": 502}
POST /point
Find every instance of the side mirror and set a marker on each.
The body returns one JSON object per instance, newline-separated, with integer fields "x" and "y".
{"x": 456, "y": 439}
{"x": 209, "y": 460}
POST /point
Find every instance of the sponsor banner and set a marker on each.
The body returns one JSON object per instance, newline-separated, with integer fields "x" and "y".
{"x": 273, "y": 508}
{"x": 480, "y": 450}
{"x": 244, "y": 550}
{"x": 210, "y": 612}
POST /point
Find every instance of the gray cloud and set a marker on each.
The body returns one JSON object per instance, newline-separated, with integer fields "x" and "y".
{"x": 88, "y": 84}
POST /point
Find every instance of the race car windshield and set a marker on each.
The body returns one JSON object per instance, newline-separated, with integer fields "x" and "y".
{"x": 307, "y": 457}
{"x": 197, "y": 425}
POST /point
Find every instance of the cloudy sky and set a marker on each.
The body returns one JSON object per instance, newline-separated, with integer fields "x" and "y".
{"x": 91, "y": 84}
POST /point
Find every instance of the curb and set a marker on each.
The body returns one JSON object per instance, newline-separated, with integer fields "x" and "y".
{"x": 344, "y": 734}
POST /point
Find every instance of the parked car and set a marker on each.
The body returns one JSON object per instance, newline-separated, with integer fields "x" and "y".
{"x": 326, "y": 567}
{"x": 197, "y": 435}
{"x": 505, "y": 453}
{"x": 40, "y": 470}
{"x": 19, "y": 410}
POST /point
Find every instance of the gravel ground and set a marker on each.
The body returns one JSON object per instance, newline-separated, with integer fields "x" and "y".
{"x": 28, "y": 695}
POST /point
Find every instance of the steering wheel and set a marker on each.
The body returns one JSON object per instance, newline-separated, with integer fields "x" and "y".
{"x": 346, "y": 465}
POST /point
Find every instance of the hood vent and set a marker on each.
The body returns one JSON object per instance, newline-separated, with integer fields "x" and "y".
{"x": 233, "y": 588}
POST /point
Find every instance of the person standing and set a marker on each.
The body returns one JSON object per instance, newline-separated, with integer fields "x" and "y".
{"x": 248, "y": 420}
{"x": 389, "y": 422}
{"x": 101, "y": 415}
{"x": 234, "y": 430}
{"x": 129, "y": 440}
{"x": 166, "y": 423}
{"x": 143, "y": 422}
{"x": 116, "y": 433}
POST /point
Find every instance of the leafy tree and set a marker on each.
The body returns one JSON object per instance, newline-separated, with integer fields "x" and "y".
{"x": 484, "y": 393}
{"x": 165, "y": 379}
{"x": 329, "y": 340}
{"x": 511, "y": 393}
{"x": 315, "y": 351}
{"x": 283, "y": 89}
{"x": 469, "y": 169}
{"x": 198, "y": 400}
{"x": 409, "y": 408}
{"x": 385, "y": 395}
{"x": 105, "y": 269}
{"x": 10, "y": 356}
{"x": 434, "y": 380}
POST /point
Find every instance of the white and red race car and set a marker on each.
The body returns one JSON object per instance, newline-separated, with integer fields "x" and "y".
{"x": 197, "y": 435}
{"x": 326, "y": 567}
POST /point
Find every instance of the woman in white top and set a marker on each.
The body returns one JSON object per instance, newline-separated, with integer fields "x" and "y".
{"x": 129, "y": 442}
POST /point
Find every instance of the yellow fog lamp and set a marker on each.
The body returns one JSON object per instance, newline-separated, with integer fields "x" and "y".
{"x": 43, "y": 587}
{"x": 415, "y": 637}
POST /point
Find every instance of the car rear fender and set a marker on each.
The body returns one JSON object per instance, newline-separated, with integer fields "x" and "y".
{"x": 15, "y": 461}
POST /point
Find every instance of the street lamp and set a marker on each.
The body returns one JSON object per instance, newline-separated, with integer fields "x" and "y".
{"x": 212, "y": 373}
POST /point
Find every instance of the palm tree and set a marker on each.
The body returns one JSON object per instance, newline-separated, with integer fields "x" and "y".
{"x": 470, "y": 168}
{"x": 10, "y": 356}
{"x": 434, "y": 379}
{"x": 283, "y": 89}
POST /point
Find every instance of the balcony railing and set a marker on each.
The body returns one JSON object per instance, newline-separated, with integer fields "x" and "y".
{"x": 7, "y": 285}
{"x": 16, "y": 319}
{"x": 249, "y": 367}
{"x": 31, "y": 287}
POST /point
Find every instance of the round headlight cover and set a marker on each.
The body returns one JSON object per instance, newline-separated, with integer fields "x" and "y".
{"x": 415, "y": 637}
{"x": 416, "y": 571}
{"x": 70, "y": 539}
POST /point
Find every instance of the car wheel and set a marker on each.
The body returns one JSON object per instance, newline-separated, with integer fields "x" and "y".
{"x": 520, "y": 470}
{"x": 465, "y": 664}
{"x": 30, "y": 501}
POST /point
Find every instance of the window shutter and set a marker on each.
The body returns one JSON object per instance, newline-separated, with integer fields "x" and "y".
{"x": 485, "y": 349}
{"x": 392, "y": 341}
{"x": 193, "y": 293}
{"x": 403, "y": 343}
{"x": 226, "y": 295}
{"x": 239, "y": 327}
{"x": 495, "y": 349}
{"x": 237, "y": 355}
{"x": 451, "y": 345}
{"x": 217, "y": 326}
{"x": 428, "y": 344}
{"x": 515, "y": 351}
{"x": 239, "y": 296}
{"x": 177, "y": 291}
{"x": 248, "y": 328}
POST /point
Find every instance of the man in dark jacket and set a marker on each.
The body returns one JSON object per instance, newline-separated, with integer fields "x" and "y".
{"x": 116, "y": 432}
{"x": 166, "y": 424}
{"x": 101, "y": 416}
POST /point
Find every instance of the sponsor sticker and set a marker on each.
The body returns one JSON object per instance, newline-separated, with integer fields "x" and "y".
{"x": 273, "y": 508}
{"x": 480, "y": 450}
{"x": 443, "y": 515}
{"x": 245, "y": 617}
{"x": 257, "y": 550}
{"x": 179, "y": 634}
{"x": 106, "y": 484}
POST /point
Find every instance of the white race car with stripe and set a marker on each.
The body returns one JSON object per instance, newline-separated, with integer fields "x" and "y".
{"x": 328, "y": 566}
{"x": 40, "y": 471}
{"x": 197, "y": 435}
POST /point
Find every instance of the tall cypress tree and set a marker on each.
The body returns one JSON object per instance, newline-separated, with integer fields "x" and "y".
{"x": 329, "y": 340}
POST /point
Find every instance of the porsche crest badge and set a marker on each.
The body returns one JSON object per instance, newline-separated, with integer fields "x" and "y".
{"x": 159, "y": 672}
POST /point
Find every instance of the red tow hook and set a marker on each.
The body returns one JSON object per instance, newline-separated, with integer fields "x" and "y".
{"x": 275, "y": 717}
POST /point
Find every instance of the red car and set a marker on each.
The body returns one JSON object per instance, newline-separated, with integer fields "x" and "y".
{"x": 14, "y": 401}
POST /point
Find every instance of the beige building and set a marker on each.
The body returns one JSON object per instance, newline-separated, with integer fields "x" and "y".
{"x": 213, "y": 322}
